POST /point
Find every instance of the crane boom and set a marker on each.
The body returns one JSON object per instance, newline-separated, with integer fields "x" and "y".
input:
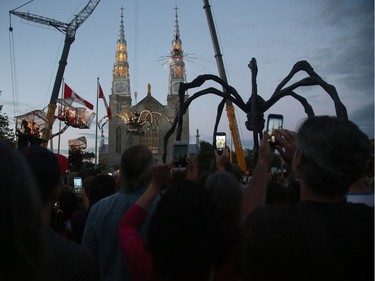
{"x": 229, "y": 106}
{"x": 69, "y": 29}
{"x": 61, "y": 26}
{"x": 82, "y": 16}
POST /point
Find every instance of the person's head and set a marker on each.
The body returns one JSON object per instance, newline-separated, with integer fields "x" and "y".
{"x": 225, "y": 191}
{"x": 100, "y": 186}
{"x": 331, "y": 155}
{"x": 277, "y": 193}
{"x": 181, "y": 233}
{"x": 226, "y": 195}
{"x": 68, "y": 203}
{"x": 21, "y": 236}
{"x": 45, "y": 167}
{"x": 136, "y": 166}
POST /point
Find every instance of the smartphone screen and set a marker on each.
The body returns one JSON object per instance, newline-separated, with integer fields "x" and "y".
{"x": 274, "y": 121}
{"x": 221, "y": 141}
{"x": 180, "y": 152}
{"x": 77, "y": 184}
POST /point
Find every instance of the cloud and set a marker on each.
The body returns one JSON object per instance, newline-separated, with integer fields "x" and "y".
{"x": 364, "y": 118}
{"x": 339, "y": 12}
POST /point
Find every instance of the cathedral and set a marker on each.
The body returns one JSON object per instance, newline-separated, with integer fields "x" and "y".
{"x": 147, "y": 121}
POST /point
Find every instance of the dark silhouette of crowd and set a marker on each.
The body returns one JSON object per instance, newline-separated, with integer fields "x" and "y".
{"x": 156, "y": 223}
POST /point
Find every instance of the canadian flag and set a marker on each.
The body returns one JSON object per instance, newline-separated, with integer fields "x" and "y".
{"x": 70, "y": 94}
{"x": 101, "y": 96}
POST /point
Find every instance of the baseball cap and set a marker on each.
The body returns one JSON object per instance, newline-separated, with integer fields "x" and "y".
{"x": 63, "y": 163}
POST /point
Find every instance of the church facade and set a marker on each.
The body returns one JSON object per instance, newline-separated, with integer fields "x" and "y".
{"x": 147, "y": 121}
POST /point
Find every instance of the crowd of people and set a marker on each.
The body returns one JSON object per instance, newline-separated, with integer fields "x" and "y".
{"x": 155, "y": 223}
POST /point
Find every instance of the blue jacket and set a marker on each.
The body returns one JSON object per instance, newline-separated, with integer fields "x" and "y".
{"x": 101, "y": 233}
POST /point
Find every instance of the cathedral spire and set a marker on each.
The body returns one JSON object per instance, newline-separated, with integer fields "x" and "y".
{"x": 121, "y": 37}
{"x": 121, "y": 79}
{"x": 176, "y": 65}
{"x": 177, "y": 39}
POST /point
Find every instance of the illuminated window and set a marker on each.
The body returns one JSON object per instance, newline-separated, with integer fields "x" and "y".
{"x": 118, "y": 140}
{"x": 151, "y": 140}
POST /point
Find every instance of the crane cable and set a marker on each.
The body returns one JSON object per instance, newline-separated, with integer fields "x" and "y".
{"x": 13, "y": 70}
{"x": 136, "y": 52}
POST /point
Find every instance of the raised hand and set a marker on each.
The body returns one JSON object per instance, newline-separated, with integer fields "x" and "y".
{"x": 287, "y": 144}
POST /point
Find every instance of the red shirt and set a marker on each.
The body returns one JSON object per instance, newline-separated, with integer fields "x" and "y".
{"x": 139, "y": 261}
{"x": 132, "y": 245}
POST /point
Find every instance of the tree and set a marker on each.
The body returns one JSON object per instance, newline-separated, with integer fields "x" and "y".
{"x": 205, "y": 156}
{"x": 88, "y": 156}
{"x": 249, "y": 158}
{"x": 251, "y": 161}
{"x": 6, "y": 134}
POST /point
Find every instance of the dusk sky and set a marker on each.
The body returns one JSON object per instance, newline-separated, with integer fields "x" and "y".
{"x": 336, "y": 37}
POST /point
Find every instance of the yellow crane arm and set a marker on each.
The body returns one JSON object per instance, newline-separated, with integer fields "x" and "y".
{"x": 236, "y": 137}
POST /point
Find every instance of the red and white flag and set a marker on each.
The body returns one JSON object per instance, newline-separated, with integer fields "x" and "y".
{"x": 101, "y": 96}
{"x": 70, "y": 94}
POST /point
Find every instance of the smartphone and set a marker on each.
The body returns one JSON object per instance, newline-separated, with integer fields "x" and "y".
{"x": 77, "y": 184}
{"x": 274, "y": 121}
{"x": 180, "y": 153}
{"x": 221, "y": 141}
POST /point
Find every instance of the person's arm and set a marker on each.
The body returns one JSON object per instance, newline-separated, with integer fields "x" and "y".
{"x": 256, "y": 191}
{"x": 131, "y": 243}
{"x": 287, "y": 144}
{"x": 160, "y": 177}
{"x": 222, "y": 159}
{"x": 192, "y": 170}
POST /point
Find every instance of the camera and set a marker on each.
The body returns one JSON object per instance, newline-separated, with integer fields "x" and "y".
{"x": 274, "y": 122}
{"x": 221, "y": 142}
{"x": 77, "y": 184}
{"x": 180, "y": 153}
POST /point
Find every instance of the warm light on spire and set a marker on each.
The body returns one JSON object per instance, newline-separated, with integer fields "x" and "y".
{"x": 121, "y": 66}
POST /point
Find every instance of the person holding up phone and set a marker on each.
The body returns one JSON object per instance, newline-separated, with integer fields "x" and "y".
{"x": 221, "y": 142}
{"x": 274, "y": 122}
{"x": 181, "y": 242}
{"x": 335, "y": 237}
{"x": 63, "y": 260}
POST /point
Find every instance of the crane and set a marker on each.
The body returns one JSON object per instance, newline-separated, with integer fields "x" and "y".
{"x": 69, "y": 29}
{"x": 229, "y": 106}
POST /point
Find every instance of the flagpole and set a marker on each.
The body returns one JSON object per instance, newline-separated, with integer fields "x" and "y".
{"x": 96, "y": 123}
{"x": 58, "y": 143}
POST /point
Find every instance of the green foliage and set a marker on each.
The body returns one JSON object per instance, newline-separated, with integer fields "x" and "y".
{"x": 6, "y": 134}
{"x": 249, "y": 158}
{"x": 88, "y": 164}
{"x": 205, "y": 156}
{"x": 88, "y": 156}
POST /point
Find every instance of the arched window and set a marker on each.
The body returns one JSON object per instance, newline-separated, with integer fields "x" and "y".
{"x": 118, "y": 140}
{"x": 151, "y": 140}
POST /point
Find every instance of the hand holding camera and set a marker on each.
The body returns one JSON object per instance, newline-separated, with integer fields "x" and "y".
{"x": 287, "y": 144}
{"x": 222, "y": 158}
{"x": 274, "y": 122}
{"x": 221, "y": 142}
